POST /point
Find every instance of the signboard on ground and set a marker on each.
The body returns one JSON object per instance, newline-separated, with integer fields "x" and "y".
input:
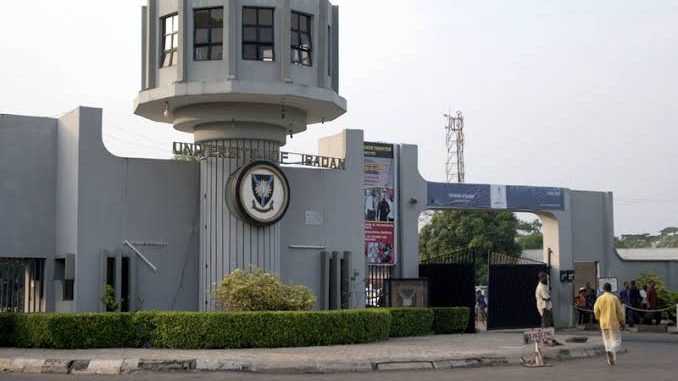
{"x": 539, "y": 336}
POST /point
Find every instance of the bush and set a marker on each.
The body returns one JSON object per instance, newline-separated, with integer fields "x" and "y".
{"x": 410, "y": 321}
{"x": 256, "y": 290}
{"x": 75, "y": 331}
{"x": 663, "y": 295}
{"x": 450, "y": 319}
{"x": 195, "y": 330}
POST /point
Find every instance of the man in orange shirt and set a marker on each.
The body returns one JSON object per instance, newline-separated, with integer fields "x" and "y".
{"x": 609, "y": 313}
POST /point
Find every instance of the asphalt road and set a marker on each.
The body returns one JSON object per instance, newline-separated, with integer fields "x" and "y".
{"x": 650, "y": 358}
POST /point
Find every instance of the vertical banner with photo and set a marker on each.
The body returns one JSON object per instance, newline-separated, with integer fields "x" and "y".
{"x": 380, "y": 203}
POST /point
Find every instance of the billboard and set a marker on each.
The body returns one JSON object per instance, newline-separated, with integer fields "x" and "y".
{"x": 379, "y": 203}
{"x": 486, "y": 196}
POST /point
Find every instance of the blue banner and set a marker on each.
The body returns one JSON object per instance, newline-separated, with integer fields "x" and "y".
{"x": 486, "y": 196}
{"x": 443, "y": 195}
{"x": 541, "y": 198}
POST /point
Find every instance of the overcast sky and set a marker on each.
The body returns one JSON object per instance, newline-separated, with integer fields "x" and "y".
{"x": 578, "y": 94}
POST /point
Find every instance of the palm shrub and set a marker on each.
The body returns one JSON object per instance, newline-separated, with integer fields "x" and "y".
{"x": 257, "y": 290}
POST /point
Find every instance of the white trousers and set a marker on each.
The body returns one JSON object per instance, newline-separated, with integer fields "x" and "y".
{"x": 612, "y": 340}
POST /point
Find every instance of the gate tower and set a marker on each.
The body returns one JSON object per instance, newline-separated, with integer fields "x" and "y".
{"x": 241, "y": 76}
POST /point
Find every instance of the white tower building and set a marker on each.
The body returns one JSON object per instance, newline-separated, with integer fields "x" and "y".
{"x": 241, "y": 76}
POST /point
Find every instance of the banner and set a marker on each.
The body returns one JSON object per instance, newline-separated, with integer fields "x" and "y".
{"x": 485, "y": 196}
{"x": 379, "y": 203}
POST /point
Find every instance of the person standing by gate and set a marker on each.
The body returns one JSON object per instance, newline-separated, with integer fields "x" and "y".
{"x": 543, "y": 296}
{"x": 609, "y": 313}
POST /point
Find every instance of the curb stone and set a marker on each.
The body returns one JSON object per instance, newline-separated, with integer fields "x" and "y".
{"x": 343, "y": 367}
{"x": 24, "y": 365}
{"x": 124, "y": 366}
{"x": 130, "y": 365}
{"x": 5, "y": 365}
{"x": 79, "y": 366}
{"x": 411, "y": 365}
{"x": 166, "y": 365}
{"x": 293, "y": 368}
{"x": 221, "y": 365}
{"x": 108, "y": 367}
{"x": 56, "y": 366}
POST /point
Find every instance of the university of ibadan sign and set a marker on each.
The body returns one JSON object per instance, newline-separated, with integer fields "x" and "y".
{"x": 259, "y": 193}
{"x": 290, "y": 158}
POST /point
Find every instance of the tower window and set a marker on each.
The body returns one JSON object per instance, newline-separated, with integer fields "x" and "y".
{"x": 257, "y": 34}
{"x": 170, "y": 40}
{"x": 301, "y": 51}
{"x": 208, "y": 34}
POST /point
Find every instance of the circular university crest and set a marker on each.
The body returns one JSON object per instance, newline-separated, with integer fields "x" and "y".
{"x": 259, "y": 193}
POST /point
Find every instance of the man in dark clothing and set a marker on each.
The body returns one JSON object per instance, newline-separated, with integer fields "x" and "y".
{"x": 383, "y": 209}
{"x": 652, "y": 303}
{"x": 625, "y": 296}
{"x": 636, "y": 299}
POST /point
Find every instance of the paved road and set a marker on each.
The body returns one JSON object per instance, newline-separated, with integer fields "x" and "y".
{"x": 651, "y": 358}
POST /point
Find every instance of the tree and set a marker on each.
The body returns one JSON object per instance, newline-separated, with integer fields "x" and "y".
{"x": 483, "y": 232}
{"x": 530, "y": 236}
{"x": 671, "y": 230}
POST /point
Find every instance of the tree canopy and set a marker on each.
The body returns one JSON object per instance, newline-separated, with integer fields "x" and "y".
{"x": 667, "y": 238}
{"x": 453, "y": 230}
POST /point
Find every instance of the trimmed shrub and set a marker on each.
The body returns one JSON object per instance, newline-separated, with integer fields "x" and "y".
{"x": 256, "y": 290}
{"x": 450, "y": 319}
{"x": 7, "y": 329}
{"x": 194, "y": 330}
{"x": 411, "y": 321}
{"x": 75, "y": 331}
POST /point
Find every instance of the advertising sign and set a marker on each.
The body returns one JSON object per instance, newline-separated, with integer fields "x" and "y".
{"x": 485, "y": 196}
{"x": 379, "y": 203}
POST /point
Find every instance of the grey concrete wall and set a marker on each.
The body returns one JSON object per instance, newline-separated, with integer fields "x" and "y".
{"x": 337, "y": 196}
{"x": 412, "y": 202}
{"x": 129, "y": 199}
{"x": 28, "y": 159}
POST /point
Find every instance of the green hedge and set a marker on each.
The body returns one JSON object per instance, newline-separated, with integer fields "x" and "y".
{"x": 74, "y": 331}
{"x": 194, "y": 330}
{"x": 184, "y": 330}
{"x": 450, "y": 319}
{"x": 411, "y": 321}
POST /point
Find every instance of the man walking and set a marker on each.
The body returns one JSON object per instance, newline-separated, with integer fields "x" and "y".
{"x": 543, "y": 296}
{"x": 609, "y": 313}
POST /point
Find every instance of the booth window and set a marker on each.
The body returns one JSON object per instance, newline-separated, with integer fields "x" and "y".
{"x": 257, "y": 34}
{"x": 208, "y": 34}
{"x": 301, "y": 51}
{"x": 68, "y": 289}
{"x": 170, "y": 40}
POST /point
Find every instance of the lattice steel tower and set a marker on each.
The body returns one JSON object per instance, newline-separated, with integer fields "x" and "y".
{"x": 454, "y": 166}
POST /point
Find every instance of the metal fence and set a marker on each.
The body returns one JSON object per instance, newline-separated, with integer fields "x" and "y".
{"x": 21, "y": 285}
{"x": 375, "y": 287}
{"x": 12, "y": 283}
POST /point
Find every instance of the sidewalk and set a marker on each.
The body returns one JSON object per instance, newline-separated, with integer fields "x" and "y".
{"x": 428, "y": 352}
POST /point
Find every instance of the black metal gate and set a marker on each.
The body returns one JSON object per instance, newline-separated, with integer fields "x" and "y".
{"x": 512, "y": 283}
{"x": 452, "y": 281}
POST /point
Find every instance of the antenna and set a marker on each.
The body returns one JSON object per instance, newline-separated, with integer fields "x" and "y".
{"x": 454, "y": 166}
